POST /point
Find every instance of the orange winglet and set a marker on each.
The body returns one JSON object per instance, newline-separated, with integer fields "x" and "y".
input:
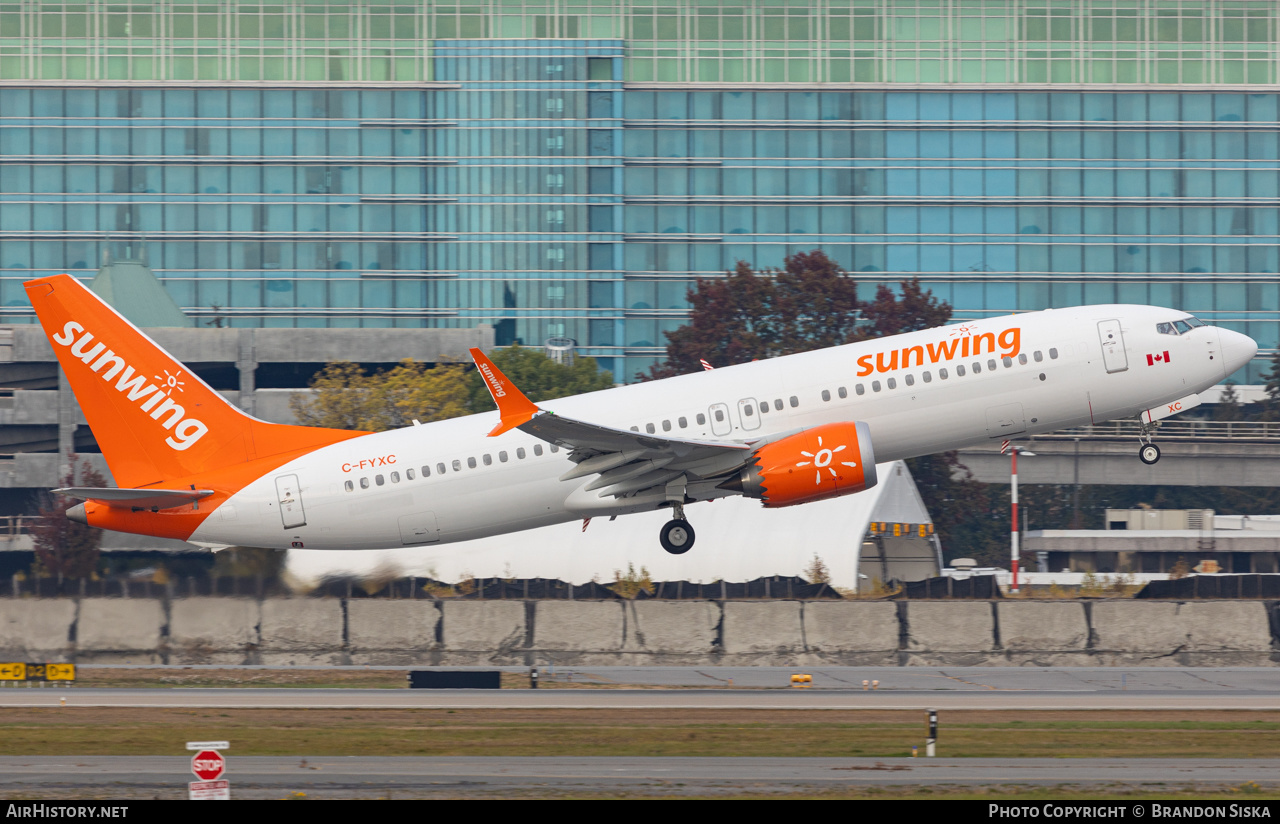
{"x": 513, "y": 406}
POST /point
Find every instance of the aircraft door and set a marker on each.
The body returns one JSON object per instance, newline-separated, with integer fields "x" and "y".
{"x": 1113, "y": 354}
{"x": 289, "y": 493}
{"x": 748, "y": 414}
{"x": 419, "y": 528}
{"x": 1005, "y": 420}
{"x": 720, "y": 423}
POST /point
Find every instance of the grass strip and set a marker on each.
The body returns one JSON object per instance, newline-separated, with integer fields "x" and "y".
{"x": 667, "y": 733}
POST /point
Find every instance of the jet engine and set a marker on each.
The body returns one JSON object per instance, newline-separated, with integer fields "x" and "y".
{"x": 823, "y": 462}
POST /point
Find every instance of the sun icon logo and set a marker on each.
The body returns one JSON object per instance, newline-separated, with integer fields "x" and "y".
{"x": 823, "y": 460}
{"x": 171, "y": 382}
{"x": 963, "y": 329}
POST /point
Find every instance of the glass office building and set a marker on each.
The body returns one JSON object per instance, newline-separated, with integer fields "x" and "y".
{"x": 566, "y": 169}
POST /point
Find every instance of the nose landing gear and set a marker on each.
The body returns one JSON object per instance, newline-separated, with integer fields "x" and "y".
{"x": 677, "y": 535}
{"x": 1148, "y": 452}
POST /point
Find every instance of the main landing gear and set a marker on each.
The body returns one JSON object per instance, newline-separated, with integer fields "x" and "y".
{"x": 1148, "y": 452}
{"x": 677, "y": 535}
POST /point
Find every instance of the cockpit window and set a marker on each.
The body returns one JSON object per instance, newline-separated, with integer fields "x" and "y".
{"x": 1194, "y": 323}
{"x": 1182, "y": 326}
{"x": 1165, "y": 329}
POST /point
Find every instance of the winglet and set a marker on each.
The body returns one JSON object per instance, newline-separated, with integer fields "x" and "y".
{"x": 513, "y": 406}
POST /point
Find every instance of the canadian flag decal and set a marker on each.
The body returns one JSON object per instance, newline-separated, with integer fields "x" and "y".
{"x": 1162, "y": 357}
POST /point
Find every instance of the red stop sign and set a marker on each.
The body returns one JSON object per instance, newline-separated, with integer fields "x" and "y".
{"x": 208, "y": 764}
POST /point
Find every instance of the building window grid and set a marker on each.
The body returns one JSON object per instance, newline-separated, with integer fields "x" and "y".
{"x": 899, "y": 40}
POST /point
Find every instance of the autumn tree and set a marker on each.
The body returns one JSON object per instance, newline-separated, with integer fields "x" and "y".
{"x": 63, "y": 547}
{"x": 539, "y": 377}
{"x": 344, "y": 396}
{"x": 810, "y": 303}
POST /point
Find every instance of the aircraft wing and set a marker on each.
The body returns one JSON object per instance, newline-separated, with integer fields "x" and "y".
{"x": 626, "y": 461}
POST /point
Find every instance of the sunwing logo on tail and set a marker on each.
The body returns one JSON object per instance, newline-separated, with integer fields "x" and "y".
{"x": 186, "y": 431}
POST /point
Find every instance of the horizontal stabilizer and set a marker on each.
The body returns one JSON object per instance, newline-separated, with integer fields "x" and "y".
{"x": 142, "y": 498}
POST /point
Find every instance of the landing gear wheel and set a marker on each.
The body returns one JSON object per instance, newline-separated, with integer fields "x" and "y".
{"x": 1149, "y": 453}
{"x": 676, "y": 537}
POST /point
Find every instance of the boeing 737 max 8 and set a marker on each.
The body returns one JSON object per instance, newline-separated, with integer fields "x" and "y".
{"x": 786, "y": 431}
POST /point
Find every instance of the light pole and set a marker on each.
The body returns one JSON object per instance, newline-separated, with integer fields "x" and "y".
{"x": 1013, "y": 532}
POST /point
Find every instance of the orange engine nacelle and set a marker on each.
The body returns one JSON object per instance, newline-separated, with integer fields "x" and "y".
{"x": 822, "y": 462}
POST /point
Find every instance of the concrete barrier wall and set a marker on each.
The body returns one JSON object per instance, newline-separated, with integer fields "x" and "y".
{"x": 695, "y": 633}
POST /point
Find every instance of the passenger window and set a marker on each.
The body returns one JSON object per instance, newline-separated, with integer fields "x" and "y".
{"x": 960, "y": 371}
{"x": 440, "y": 468}
{"x": 991, "y": 364}
{"x": 702, "y": 419}
{"x": 520, "y": 452}
{"x": 1038, "y": 357}
{"x": 977, "y": 368}
{"x": 471, "y": 463}
{"x": 1022, "y": 359}
{"x": 719, "y": 415}
{"x": 892, "y": 383}
{"x": 635, "y": 429}
{"x": 842, "y": 392}
{"x": 457, "y": 465}
{"x": 795, "y": 401}
{"x": 349, "y": 486}
{"x": 395, "y": 477}
{"x": 502, "y": 456}
{"x": 764, "y": 408}
{"x": 364, "y": 483}
{"x": 1007, "y": 361}
{"x": 379, "y": 480}
{"x": 875, "y": 386}
{"x": 666, "y": 426}
{"x": 928, "y": 378}
{"x": 683, "y": 422}
{"x": 537, "y": 449}
{"x": 826, "y": 394}
{"x": 942, "y": 373}
{"x": 409, "y": 475}
{"x": 1053, "y": 354}
{"x": 777, "y": 404}
{"x": 554, "y": 448}
{"x": 426, "y": 472}
{"x": 487, "y": 458}
{"x": 910, "y": 380}
{"x": 860, "y": 389}
{"x": 650, "y": 428}
{"x": 748, "y": 411}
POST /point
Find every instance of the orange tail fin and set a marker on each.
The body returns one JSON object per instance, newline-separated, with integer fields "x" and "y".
{"x": 152, "y": 417}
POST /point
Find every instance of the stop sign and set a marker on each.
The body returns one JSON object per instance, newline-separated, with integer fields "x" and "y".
{"x": 208, "y": 764}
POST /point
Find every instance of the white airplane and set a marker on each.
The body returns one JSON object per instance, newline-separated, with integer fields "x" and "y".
{"x": 786, "y": 431}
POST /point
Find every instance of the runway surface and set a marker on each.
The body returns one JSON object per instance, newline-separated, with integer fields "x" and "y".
{"x": 475, "y": 776}
{"x": 835, "y": 688}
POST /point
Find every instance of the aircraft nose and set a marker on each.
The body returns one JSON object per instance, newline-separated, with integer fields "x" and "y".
{"x": 1237, "y": 350}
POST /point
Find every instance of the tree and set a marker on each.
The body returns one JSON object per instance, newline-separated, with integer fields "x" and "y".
{"x": 64, "y": 547}
{"x": 345, "y": 397}
{"x": 539, "y": 377}
{"x": 810, "y": 303}
{"x": 1228, "y": 406}
{"x": 1271, "y": 406}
